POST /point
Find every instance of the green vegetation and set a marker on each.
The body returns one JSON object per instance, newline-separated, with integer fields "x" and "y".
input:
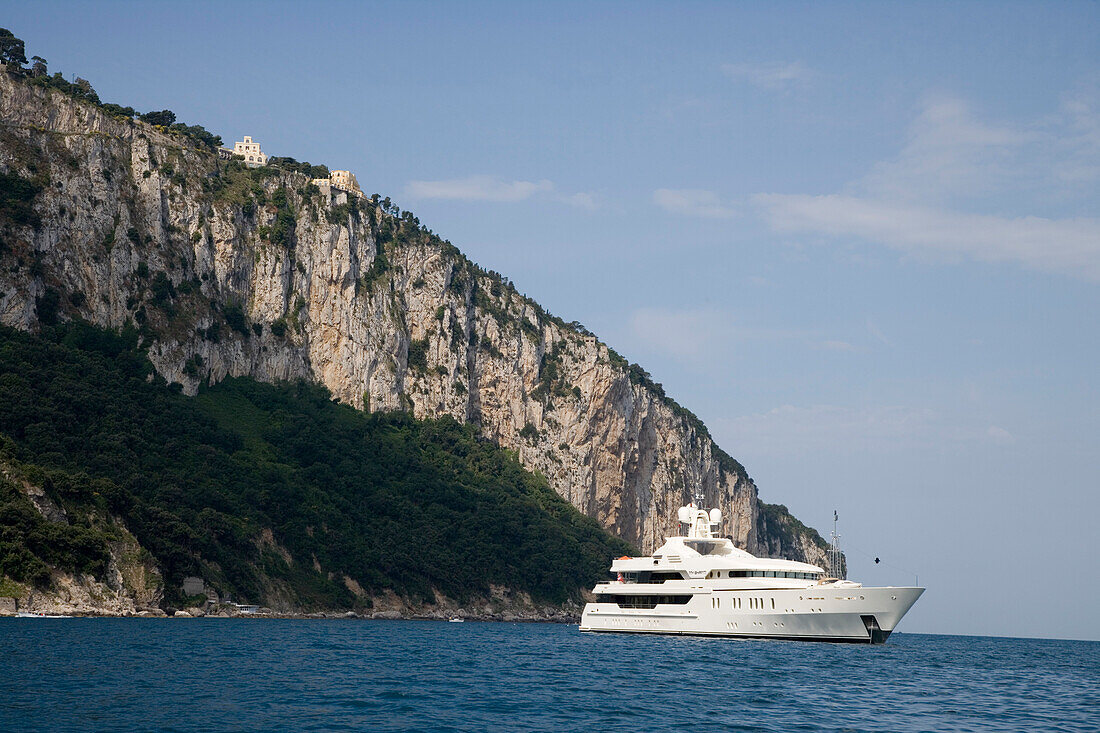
{"x": 776, "y": 521}
{"x": 552, "y": 382}
{"x": 234, "y": 183}
{"x": 387, "y": 500}
{"x": 282, "y": 233}
{"x": 30, "y": 544}
{"x": 12, "y": 50}
{"x": 379, "y": 266}
{"x": 235, "y": 317}
{"x": 418, "y": 355}
{"x": 293, "y": 166}
{"x": 17, "y": 196}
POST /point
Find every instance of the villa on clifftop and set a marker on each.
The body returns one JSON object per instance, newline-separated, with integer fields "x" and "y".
{"x": 341, "y": 181}
{"x": 250, "y": 151}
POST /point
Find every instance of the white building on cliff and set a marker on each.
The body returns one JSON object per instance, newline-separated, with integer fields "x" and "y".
{"x": 250, "y": 151}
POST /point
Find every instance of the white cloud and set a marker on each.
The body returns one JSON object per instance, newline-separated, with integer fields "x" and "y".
{"x": 949, "y": 153}
{"x": 769, "y": 76}
{"x": 477, "y": 188}
{"x": 964, "y": 188}
{"x": 693, "y": 202}
{"x": 1077, "y": 151}
{"x": 581, "y": 200}
{"x": 1067, "y": 246}
{"x": 836, "y": 345}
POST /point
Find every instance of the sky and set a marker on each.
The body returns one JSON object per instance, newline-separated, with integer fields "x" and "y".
{"x": 860, "y": 240}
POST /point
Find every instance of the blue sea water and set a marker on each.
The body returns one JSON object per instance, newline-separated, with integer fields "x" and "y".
{"x": 275, "y": 675}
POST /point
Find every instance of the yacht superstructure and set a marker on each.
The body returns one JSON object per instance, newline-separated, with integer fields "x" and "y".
{"x": 699, "y": 583}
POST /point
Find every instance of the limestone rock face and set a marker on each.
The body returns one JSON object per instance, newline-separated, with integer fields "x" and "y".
{"x": 229, "y": 272}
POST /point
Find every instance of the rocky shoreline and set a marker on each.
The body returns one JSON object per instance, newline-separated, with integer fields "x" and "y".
{"x": 266, "y": 613}
{"x": 500, "y": 606}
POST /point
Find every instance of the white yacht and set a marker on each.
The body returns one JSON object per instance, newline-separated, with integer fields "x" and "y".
{"x": 700, "y": 584}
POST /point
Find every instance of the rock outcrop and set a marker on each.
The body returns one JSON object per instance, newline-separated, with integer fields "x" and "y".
{"x": 228, "y": 271}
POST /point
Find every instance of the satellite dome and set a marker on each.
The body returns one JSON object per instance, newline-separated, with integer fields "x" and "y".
{"x": 715, "y": 515}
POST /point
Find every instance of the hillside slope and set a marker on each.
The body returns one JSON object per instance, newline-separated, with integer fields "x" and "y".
{"x": 236, "y": 272}
{"x": 271, "y": 494}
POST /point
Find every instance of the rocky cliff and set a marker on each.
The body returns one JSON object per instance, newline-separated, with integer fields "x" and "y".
{"x": 230, "y": 271}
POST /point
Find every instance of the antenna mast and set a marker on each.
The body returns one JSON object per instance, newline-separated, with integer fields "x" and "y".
{"x": 834, "y": 550}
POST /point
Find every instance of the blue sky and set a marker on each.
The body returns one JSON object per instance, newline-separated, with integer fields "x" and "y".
{"x": 861, "y": 241}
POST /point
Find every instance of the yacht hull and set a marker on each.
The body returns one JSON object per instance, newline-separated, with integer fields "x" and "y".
{"x": 818, "y": 613}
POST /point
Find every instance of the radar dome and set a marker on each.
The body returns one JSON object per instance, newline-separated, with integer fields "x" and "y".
{"x": 715, "y": 515}
{"x": 684, "y": 514}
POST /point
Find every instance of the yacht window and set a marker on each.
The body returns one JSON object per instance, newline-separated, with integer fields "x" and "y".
{"x": 643, "y": 601}
{"x": 703, "y": 548}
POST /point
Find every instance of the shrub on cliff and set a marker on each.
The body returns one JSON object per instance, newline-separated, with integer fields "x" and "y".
{"x": 17, "y": 195}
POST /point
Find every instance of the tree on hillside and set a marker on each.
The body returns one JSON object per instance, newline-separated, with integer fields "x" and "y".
{"x": 39, "y": 67}
{"x": 164, "y": 117}
{"x": 12, "y": 50}
{"x": 83, "y": 90}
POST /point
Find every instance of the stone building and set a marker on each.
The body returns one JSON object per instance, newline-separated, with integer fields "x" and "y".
{"x": 346, "y": 180}
{"x": 250, "y": 151}
{"x": 341, "y": 181}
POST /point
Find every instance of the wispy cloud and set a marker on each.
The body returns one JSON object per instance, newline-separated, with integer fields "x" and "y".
{"x": 949, "y": 153}
{"x": 954, "y": 188}
{"x": 877, "y": 333}
{"x": 770, "y": 75}
{"x": 1067, "y": 246}
{"x": 495, "y": 189}
{"x": 581, "y": 200}
{"x": 693, "y": 202}
{"x": 477, "y": 188}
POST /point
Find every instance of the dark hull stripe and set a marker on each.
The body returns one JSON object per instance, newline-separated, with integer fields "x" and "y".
{"x": 723, "y": 635}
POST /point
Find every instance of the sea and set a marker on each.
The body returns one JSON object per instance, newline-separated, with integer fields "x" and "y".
{"x": 102, "y": 674}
